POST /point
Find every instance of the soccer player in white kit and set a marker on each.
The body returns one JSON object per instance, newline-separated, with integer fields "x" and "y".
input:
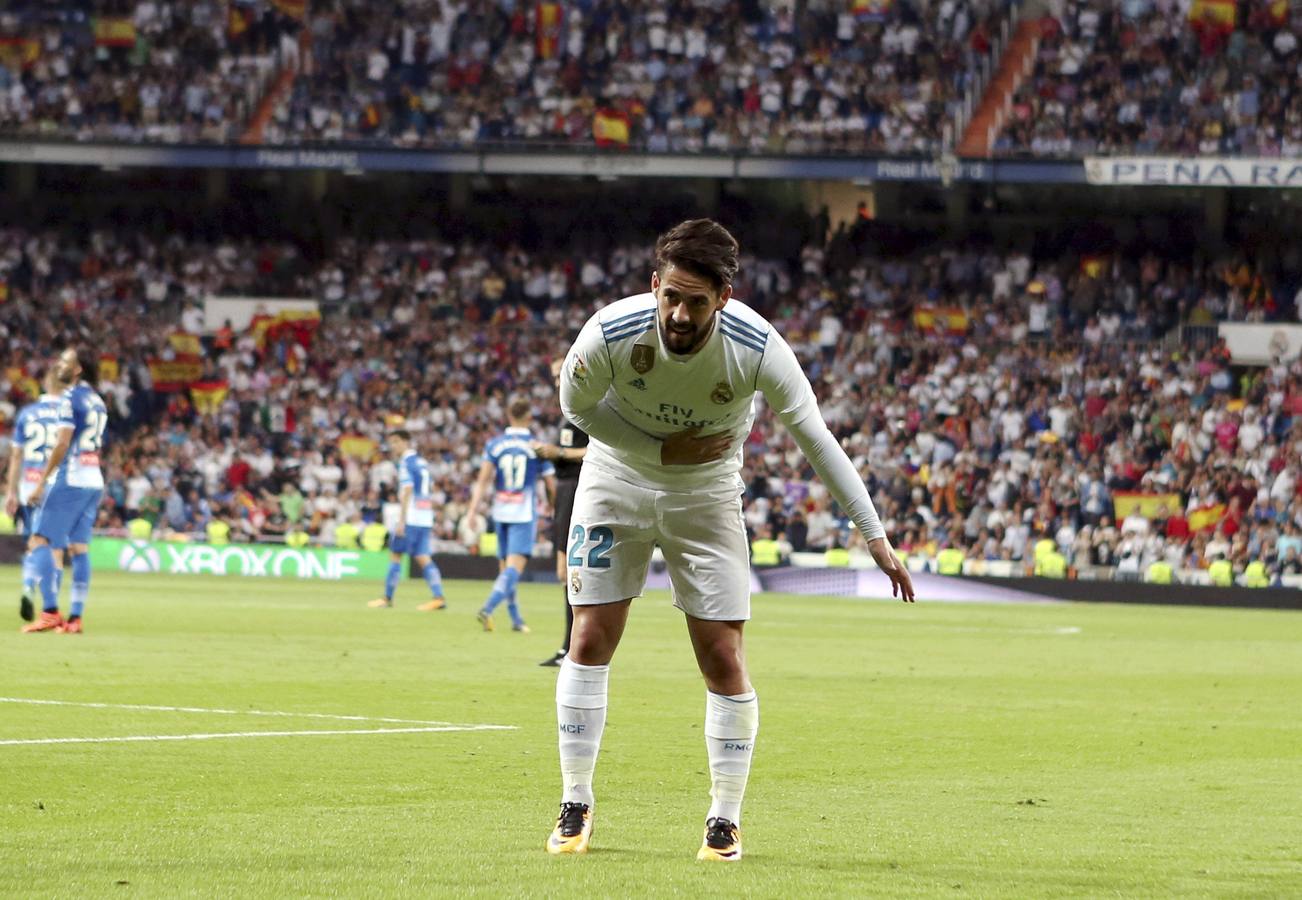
{"x": 664, "y": 385}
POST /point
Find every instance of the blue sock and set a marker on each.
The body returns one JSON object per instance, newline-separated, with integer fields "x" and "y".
{"x": 391, "y": 580}
{"x": 503, "y": 588}
{"x": 80, "y": 583}
{"x": 434, "y": 578}
{"x": 43, "y": 562}
{"x": 30, "y": 575}
{"x": 513, "y": 609}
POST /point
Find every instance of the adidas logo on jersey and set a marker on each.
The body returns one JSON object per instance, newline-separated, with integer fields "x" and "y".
{"x": 638, "y": 383}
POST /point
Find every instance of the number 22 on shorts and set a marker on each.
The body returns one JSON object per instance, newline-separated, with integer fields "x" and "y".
{"x": 602, "y": 539}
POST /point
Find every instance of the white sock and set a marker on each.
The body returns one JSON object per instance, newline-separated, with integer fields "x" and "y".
{"x": 580, "y": 718}
{"x": 730, "y": 727}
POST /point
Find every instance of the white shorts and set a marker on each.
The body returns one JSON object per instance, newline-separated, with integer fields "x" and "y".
{"x": 616, "y": 525}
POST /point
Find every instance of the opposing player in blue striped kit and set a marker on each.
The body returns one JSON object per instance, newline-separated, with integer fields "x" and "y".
{"x": 411, "y": 536}
{"x": 513, "y": 466}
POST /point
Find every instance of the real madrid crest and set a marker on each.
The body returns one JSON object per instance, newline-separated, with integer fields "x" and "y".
{"x": 722, "y": 393}
{"x": 643, "y": 358}
{"x": 576, "y": 583}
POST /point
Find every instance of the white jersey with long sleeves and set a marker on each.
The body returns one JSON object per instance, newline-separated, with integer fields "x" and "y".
{"x": 622, "y": 386}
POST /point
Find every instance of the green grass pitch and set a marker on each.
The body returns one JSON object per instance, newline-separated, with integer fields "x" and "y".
{"x": 929, "y": 750}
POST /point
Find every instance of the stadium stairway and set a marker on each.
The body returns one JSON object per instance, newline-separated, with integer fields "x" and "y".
{"x": 281, "y": 82}
{"x": 1016, "y": 64}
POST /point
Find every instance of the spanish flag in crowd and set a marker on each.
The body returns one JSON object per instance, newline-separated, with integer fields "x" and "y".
{"x": 1278, "y": 11}
{"x": 934, "y": 320}
{"x": 185, "y": 344}
{"x": 1205, "y": 517}
{"x": 547, "y": 29}
{"x": 295, "y": 9}
{"x": 207, "y": 396}
{"x": 1092, "y": 265}
{"x": 871, "y": 10}
{"x": 358, "y": 446}
{"x": 23, "y": 383}
{"x": 1150, "y": 506}
{"x": 114, "y": 32}
{"x": 19, "y": 52}
{"x": 610, "y": 128}
{"x": 1219, "y": 14}
{"x": 237, "y": 21}
{"x": 108, "y": 367}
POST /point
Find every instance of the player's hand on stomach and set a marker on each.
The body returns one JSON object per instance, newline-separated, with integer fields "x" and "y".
{"x": 889, "y": 563}
{"x": 690, "y": 448}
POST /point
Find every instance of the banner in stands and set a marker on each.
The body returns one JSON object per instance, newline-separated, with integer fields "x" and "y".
{"x": 1259, "y": 344}
{"x": 1175, "y": 171}
{"x": 258, "y": 560}
{"x": 533, "y": 161}
{"x": 1150, "y": 506}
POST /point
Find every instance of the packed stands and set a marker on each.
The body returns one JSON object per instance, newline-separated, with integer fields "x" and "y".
{"x": 653, "y": 75}
{"x": 990, "y": 399}
{"x": 153, "y": 70}
{"x": 1149, "y": 77}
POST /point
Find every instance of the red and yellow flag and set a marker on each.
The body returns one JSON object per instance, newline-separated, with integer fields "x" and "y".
{"x": 1150, "y": 506}
{"x": 184, "y": 343}
{"x": 109, "y": 368}
{"x": 19, "y": 52}
{"x": 935, "y": 319}
{"x": 358, "y": 446}
{"x": 207, "y": 396}
{"x": 610, "y": 128}
{"x": 114, "y": 32}
{"x": 1205, "y": 518}
{"x": 175, "y": 374}
{"x": 547, "y": 29}
{"x": 295, "y": 9}
{"x": 1219, "y": 14}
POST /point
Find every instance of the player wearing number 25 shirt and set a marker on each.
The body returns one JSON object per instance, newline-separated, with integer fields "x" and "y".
{"x": 68, "y": 508}
{"x": 36, "y": 430}
{"x": 665, "y": 385}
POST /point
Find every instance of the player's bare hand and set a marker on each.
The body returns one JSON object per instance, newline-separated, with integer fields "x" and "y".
{"x": 889, "y": 563}
{"x": 547, "y": 451}
{"x": 11, "y": 505}
{"x": 35, "y": 498}
{"x": 690, "y": 448}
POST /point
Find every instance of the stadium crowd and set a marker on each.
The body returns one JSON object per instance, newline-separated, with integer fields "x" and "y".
{"x": 1151, "y": 76}
{"x": 990, "y": 399}
{"x": 659, "y": 75}
{"x": 814, "y": 77}
{"x": 138, "y": 70}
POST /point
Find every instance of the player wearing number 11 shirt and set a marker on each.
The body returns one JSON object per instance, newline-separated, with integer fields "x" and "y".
{"x": 68, "y": 507}
{"x": 664, "y": 383}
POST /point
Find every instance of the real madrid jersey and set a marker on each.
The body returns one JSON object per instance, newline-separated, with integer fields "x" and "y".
{"x": 628, "y": 392}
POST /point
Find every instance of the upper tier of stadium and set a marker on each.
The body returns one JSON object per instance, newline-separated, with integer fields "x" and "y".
{"x": 843, "y": 78}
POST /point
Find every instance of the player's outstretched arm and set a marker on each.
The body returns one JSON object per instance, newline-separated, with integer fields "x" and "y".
{"x": 787, "y": 390}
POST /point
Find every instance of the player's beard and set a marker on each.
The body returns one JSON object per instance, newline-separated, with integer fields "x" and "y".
{"x": 683, "y": 341}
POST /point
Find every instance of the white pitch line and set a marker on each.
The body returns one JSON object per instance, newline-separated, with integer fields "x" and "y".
{"x": 226, "y": 712}
{"x": 135, "y": 738}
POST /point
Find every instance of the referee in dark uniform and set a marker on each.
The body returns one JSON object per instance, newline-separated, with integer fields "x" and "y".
{"x": 567, "y": 456}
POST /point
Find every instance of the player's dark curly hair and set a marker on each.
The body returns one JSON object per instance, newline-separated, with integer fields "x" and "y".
{"x": 702, "y": 247}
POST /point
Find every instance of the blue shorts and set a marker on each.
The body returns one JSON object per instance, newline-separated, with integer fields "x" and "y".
{"x": 515, "y": 538}
{"x": 415, "y": 541}
{"x": 67, "y": 515}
